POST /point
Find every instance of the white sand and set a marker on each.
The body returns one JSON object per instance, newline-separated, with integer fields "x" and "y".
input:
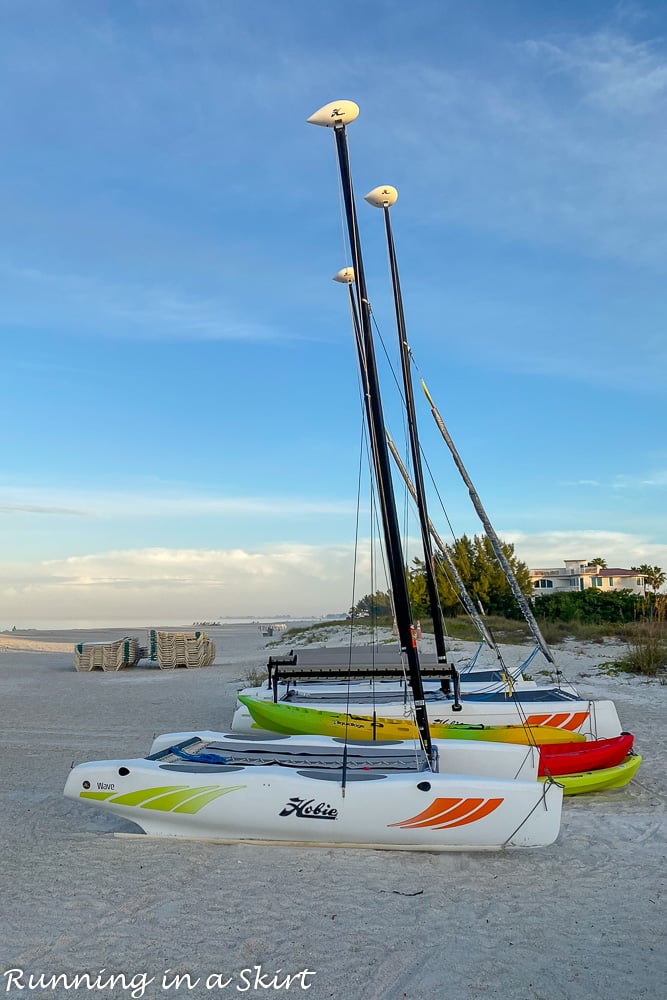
{"x": 582, "y": 919}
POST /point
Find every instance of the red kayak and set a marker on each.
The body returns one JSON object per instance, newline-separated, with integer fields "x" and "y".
{"x": 572, "y": 758}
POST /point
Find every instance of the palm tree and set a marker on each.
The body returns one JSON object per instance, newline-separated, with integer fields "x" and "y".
{"x": 602, "y": 563}
{"x": 644, "y": 571}
{"x": 655, "y": 578}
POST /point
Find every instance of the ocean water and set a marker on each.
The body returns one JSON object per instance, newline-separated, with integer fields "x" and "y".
{"x": 67, "y": 624}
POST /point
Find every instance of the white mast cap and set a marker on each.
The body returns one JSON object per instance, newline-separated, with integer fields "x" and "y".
{"x": 335, "y": 113}
{"x": 345, "y": 277}
{"x": 381, "y": 197}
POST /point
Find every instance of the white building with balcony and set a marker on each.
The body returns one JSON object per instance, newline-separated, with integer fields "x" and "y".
{"x": 577, "y": 574}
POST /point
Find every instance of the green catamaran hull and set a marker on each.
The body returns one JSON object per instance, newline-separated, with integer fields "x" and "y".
{"x": 280, "y": 717}
{"x": 602, "y": 780}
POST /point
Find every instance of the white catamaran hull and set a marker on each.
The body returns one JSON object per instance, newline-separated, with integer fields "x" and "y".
{"x": 491, "y": 760}
{"x": 595, "y": 719}
{"x": 308, "y": 806}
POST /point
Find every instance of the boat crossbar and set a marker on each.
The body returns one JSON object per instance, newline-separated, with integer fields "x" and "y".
{"x": 283, "y": 673}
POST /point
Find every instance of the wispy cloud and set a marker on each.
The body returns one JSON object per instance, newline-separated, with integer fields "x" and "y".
{"x": 557, "y": 157}
{"x": 654, "y": 480}
{"x": 37, "y": 509}
{"x": 614, "y": 74}
{"x": 623, "y": 481}
{"x": 564, "y": 146}
{"x": 90, "y": 304}
{"x": 96, "y": 503}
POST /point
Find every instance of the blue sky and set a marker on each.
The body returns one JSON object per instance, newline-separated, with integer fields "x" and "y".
{"x": 179, "y": 395}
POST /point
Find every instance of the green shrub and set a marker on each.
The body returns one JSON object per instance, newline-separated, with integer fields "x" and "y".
{"x": 592, "y": 606}
{"x": 648, "y": 650}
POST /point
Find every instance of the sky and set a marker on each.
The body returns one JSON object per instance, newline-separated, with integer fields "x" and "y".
{"x": 180, "y": 408}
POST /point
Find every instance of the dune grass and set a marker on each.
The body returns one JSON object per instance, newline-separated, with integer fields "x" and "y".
{"x": 647, "y": 641}
{"x": 647, "y": 654}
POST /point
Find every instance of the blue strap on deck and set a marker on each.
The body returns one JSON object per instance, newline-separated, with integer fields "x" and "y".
{"x": 199, "y": 758}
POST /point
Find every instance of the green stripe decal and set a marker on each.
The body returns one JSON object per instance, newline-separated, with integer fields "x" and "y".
{"x": 194, "y": 805}
{"x": 172, "y": 799}
{"x": 137, "y": 798}
{"x": 168, "y": 798}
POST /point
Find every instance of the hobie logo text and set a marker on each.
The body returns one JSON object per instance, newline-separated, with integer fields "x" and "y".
{"x": 306, "y": 809}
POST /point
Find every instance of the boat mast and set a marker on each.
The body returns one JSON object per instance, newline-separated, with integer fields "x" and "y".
{"x": 336, "y": 115}
{"x": 383, "y": 197}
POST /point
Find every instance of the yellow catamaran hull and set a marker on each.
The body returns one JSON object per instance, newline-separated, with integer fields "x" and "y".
{"x": 279, "y": 717}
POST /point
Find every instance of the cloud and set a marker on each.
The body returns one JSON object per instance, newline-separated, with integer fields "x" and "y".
{"x": 549, "y": 169}
{"x": 168, "y": 504}
{"x": 623, "y": 481}
{"x": 92, "y": 304}
{"x": 189, "y": 584}
{"x": 6, "y": 508}
{"x": 551, "y": 548}
{"x": 162, "y": 584}
{"x": 653, "y": 480}
{"x": 562, "y": 146}
{"x": 613, "y": 73}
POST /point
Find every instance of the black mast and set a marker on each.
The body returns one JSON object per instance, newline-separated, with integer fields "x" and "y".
{"x": 383, "y": 197}
{"x": 335, "y": 116}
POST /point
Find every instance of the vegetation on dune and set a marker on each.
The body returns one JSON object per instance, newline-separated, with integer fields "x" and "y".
{"x": 648, "y": 650}
{"x": 593, "y": 607}
{"x": 590, "y": 615}
{"x": 482, "y": 577}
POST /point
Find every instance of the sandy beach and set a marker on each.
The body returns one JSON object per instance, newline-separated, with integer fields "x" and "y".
{"x": 584, "y": 918}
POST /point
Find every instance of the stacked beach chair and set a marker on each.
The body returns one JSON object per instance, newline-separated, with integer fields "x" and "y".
{"x": 181, "y": 649}
{"x": 107, "y": 655}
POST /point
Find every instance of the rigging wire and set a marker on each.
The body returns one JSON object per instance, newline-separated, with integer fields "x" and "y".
{"x": 512, "y": 694}
{"x": 354, "y": 584}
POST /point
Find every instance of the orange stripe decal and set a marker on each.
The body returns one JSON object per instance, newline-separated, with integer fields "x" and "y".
{"x": 577, "y": 720}
{"x": 444, "y": 817}
{"x": 537, "y": 720}
{"x": 558, "y": 719}
{"x": 433, "y": 813}
{"x": 444, "y": 813}
{"x": 479, "y": 813}
{"x": 561, "y": 720}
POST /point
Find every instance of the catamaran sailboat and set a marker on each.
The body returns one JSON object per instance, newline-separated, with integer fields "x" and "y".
{"x": 329, "y": 791}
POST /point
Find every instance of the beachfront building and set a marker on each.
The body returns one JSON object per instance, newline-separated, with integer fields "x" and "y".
{"x": 578, "y": 574}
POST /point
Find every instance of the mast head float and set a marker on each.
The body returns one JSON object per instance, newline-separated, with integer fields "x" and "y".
{"x": 336, "y": 113}
{"x": 344, "y": 276}
{"x": 382, "y": 197}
